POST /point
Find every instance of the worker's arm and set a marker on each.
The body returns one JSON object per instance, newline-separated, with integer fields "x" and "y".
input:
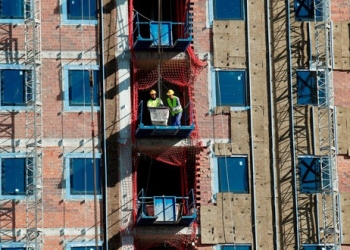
{"x": 178, "y": 105}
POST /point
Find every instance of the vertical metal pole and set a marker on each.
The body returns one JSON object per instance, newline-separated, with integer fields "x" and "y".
{"x": 93, "y": 154}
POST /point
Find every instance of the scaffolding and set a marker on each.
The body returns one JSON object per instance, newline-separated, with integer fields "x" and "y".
{"x": 34, "y": 128}
{"x": 330, "y": 231}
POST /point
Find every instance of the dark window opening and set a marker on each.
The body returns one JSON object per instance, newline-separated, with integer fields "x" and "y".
{"x": 157, "y": 178}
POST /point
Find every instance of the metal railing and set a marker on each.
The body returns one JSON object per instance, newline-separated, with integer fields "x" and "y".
{"x": 330, "y": 232}
{"x": 34, "y": 125}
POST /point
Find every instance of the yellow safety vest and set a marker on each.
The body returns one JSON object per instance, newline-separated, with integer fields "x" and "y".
{"x": 175, "y": 105}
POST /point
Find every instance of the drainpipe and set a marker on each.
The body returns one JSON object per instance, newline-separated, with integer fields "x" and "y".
{"x": 252, "y": 140}
{"x": 103, "y": 117}
{"x": 272, "y": 128}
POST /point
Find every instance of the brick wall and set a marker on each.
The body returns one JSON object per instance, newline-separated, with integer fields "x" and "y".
{"x": 57, "y": 125}
{"x": 340, "y": 10}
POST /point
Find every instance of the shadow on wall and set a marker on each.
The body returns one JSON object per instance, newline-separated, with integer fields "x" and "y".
{"x": 8, "y": 44}
{"x": 8, "y": 221}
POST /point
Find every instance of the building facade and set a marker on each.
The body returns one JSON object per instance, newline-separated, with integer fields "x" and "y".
{"x": 260, "y": 160}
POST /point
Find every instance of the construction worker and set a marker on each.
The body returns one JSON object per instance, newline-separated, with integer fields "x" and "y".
{"x": 154, "y": 102}
{"x": 175, "y": 108}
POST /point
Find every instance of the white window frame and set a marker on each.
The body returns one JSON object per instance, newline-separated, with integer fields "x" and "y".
{"x": 11, "y": 156}
{"x": 65, "y": 79}
{"x": 68, "y": 194}
{"x": 66, "y": 21}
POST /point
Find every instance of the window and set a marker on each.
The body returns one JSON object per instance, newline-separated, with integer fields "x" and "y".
{"x": 83, "y": 246}
{"x": 12, "y": 248}
{"x": 13, "y": 88}
{"x": 310, "y": 173}
{"x": 315, "y": 247}
{"x": 305, "y": 10}
{"x": 11, "y": 11}
{"x": 80, "y": 176}
{"x": 77, "y": 94}
{"x": 231, "y": 88}
{"x": 229, "y": 9}
{"x": 235, "y": 247}
{"x": 13, "y": 176}
{"x": 79, "y": 12}
{"x": 86, "y": 248}
{"x": 233, "y": 174}
{"x": 307, "y": 89}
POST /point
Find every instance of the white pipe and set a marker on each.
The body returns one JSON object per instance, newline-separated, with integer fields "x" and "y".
{"x": 256, "y": 246}
{"x": 272, "y": 127}
{"x": 103, "y": 113}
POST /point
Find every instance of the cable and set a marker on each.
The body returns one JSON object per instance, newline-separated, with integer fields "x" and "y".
{"x": 226, "y": 165}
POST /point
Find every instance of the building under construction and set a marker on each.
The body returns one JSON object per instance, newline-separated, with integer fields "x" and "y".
{"x": 261, "y": 159}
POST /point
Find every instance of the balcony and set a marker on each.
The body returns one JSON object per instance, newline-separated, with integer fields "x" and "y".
{"x": 158, "y": 126}
{"x": 170, "y": 35}
{"x": 166, "y": 210}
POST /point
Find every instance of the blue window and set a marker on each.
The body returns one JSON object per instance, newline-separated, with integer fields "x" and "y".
{"x": 79, "y": 12}
{"x": 77, "y": 88}
{"x": 307, "y": 90}
{"x": 231, "y": 88}
{"x": 305, "y": 10}
{"x": 13, "y": 176}
{"x": 82, "y": 246}
{"x": 13, "y": 87}
{"x": 233, "y": 174}
{"x": 80, "y": 176}
{"x": 229, "y": 9}
{"x": 81, "y": 9}
{"x": 86, "y": 248}
{"x": 235, "y": 247}
{"x": 315, "y": 247}
{"x": 306, "y": 87}
{"x": 12, "y": 248}
{"x": 310, "y": 174}
{"x": 11, "y": 9}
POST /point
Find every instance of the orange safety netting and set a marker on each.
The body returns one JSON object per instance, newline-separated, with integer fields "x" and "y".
{"x": 179, "y": 71}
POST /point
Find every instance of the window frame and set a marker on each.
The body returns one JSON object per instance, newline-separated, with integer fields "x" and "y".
{"x": 310, "y": 17}
{"x": 215, "y": 89}
{"x": 71, "y": 245}
{"x": 216, "y": 173}
{"x": 67, "y": 162}
{"x": 13, "y": 67}
{"x": 302, "y": 175}
{"x": 315, "y": 93}
{"x": 223, "y": 246}
{"x": 65, "y": 19}
{"x": 12, "y": 156}
{"x": 242, "y": 17}
{"x": 87, "y": 107}
{"x": 14, "y": 20}
{"x": 321, "y": 247}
